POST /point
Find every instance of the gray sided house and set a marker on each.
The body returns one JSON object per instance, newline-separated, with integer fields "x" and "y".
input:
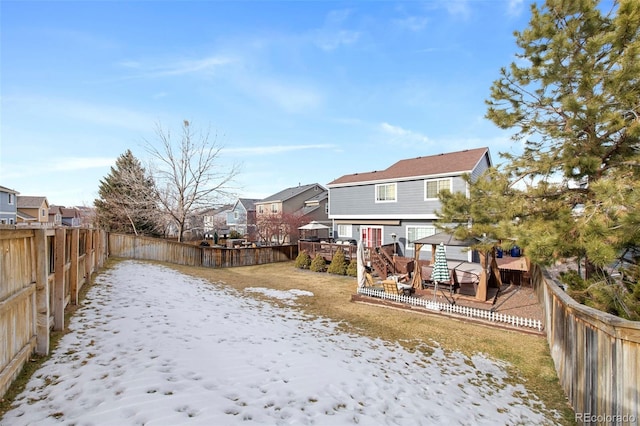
{"x": 8, "y": 206}
{"x": 292, "y": 201}
{"x": 402, "y": 200}
{"x": 242, "y": 217}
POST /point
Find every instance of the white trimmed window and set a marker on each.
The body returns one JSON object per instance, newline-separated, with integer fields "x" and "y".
{"x": 344, "y": 231}
{"x": 11, "y": 198}
{"x": 274, "y": 208}
{"x": 386, "y": 193}
{"x": 417, "y": 232}
{"x": 433, "y": 187}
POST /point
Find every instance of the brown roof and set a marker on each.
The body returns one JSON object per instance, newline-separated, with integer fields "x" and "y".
{"x": 441, "y": 164}
{"x": 31, "y": 202}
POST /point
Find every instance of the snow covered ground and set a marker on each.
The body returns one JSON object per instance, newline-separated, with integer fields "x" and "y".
{"x": 155, "y": 347}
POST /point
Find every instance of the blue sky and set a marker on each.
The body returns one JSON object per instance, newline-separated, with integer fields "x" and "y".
{"x": 296, "y": 91}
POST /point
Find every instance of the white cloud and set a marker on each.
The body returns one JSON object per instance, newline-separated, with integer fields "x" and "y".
{"x": 79, "y": 163}
{"x": 403, "y": 136}
{"x": 82, "y": 111}
{"x": 412, "y": 23}
{"x": 331, "y": 35}
{"x": 288, "y": 96}
{"x": 274, "y": 149}
{"x": 515, "y": 7}
{"x": 458, "y": 8}
{"x": 206, "y": 65}
{"x": 40, "y": 166}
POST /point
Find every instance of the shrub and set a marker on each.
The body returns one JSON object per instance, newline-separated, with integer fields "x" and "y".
{"x": 318, "y": 264}
{"x": 303, "y": 261}
{"x": 338, "y": 264}
{"x": 352, "y": 269}
{"x": 235, "y": 234}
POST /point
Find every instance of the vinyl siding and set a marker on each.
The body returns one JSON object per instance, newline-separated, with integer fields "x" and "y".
{"x": 359, "y": 201}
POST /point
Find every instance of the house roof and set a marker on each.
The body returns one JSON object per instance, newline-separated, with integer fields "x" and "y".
{"x": 432, "y": 165}
{"x": 289, "y": 193}
{"x": 31, "y": 202}
{"x": 24, "y": 216}
{"x": 8, "y": 190}
{"x": 249, "y": 204}
{"x": 68, "y": 212}
{"x": 318, "y": 197}
{"x": 217, "y": 210}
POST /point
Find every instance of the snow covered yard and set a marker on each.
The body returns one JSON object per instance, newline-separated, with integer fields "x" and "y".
{"x": 153, "y": 346}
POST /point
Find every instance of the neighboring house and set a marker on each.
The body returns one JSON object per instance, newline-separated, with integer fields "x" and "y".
{"x": 242, "y": 218}
{"x": 215, "y": 221}
{"x": 288, "y": 205}
{"x": 8, "y": 206}
{"x": 55, "y": 215}
{"x": 402, "y": 200}
{"x": 70, "y": 216}
{"x": 317, "y": 209}
{"x": 33, "y": 210}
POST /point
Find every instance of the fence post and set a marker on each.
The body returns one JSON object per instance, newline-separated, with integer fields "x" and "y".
{"x": 42, "y": 292}
{"x": 73, "y": 272}
{"x": 88, "y": 254}
{"x": 58, "y": 288}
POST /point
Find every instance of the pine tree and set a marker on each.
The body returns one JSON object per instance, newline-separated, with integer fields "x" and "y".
{"x": 128, "y": 200}
{"x": 573, "y": 100}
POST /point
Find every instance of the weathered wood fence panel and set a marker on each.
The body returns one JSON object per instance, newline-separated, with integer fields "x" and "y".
{"x": 596, "y": 355}
{"x": 41, "y": 271}
{"x": 145, "y": 248}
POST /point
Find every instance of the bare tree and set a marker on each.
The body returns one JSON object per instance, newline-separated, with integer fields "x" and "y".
{"x": 189, "y": 173}
{"x": 279, "y": 227}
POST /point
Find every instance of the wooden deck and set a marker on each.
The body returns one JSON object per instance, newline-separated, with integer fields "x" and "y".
{"x": 327, "y": 250}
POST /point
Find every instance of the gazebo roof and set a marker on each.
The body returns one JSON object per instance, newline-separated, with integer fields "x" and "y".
{"x": 447, "y": 238}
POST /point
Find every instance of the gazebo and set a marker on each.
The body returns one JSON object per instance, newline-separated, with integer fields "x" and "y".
{"x": 448, "y": 239}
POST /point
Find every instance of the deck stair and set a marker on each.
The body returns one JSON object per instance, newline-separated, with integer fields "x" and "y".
{"x": 382, "y": 263}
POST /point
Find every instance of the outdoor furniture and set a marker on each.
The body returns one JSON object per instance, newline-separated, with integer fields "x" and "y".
{"x": 392, "y": 286}
{"x": 427, "y": 282}
{"x": 467, "y": 279}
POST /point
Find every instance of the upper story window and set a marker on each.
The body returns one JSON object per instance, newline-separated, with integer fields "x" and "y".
{"x": 274, "y": 208}
{"x": 260, "y": 209}
{"x": 433, "y": 187}
{"x": 11, "y": 198}
{"x": 386, "y": 193}
{"x": 236, "y": 215}
{"x": 43, "y": 212}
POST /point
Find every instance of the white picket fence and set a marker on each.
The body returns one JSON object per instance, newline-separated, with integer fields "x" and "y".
{"x": 466, "y": 311}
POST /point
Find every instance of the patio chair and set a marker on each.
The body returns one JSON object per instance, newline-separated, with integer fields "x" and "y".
{"x": 393, "y": 287}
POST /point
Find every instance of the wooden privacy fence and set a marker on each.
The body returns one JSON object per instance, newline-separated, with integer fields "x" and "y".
{"x": 145, "y": 248}
{"x": 41, "y": 272}
{"x": 596, "y": 355}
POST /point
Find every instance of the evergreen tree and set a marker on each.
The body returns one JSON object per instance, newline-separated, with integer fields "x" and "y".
{"x": 128, "y": 200}
{"x": 573, "y": 100}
